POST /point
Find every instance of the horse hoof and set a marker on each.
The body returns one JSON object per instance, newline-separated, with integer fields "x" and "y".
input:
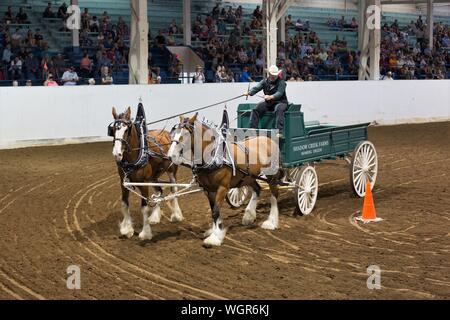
{"x": 127, "y": 233}
{"x": 212, "y": 241}
{"x": 248, "y": 218}
{"x": 176, "y": 218}
{"x": 268, "y": 225}
{"x": 145, "y": 235}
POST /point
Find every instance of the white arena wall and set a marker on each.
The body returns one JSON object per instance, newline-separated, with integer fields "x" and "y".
{"x": 51, "y": 115}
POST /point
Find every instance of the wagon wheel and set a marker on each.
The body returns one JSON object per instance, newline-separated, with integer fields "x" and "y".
{"x": 236, "y": 197}
{"x": 364, "y": 166}
{"x": 306, "y": 189}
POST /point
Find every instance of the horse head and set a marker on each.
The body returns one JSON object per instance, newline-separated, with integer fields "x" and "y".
{"x": 120, "y": 129}
{"x": 182, "y": 137}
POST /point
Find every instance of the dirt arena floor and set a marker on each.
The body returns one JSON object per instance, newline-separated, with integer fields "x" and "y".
{"x": 60, "y": 206}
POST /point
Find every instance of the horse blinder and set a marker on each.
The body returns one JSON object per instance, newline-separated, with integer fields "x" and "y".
{"x": 111, "y": 130}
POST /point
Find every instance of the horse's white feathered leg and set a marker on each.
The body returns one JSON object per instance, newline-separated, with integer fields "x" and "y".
{"x": 155, "y": 217}
{"x": 216, "y": 235}
{"x": 272, "y": 221}
{"x": 126, "y": 226}
{"x": 146, "y": 233}
{"x": 177, "y": 215}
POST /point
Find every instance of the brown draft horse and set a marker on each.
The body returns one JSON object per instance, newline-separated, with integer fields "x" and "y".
{"x": 126, "y": 147}
{"x": 217, "y": 182}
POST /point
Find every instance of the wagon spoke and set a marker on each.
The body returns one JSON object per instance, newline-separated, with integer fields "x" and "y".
{"x": 308, "y": 178}
{"x": 239, "y": 195}
{"x": 356, "y": 165}
{"x": 366, "y": 152}
{"x": 303, "y": 204}
{"x": 359, "y": 187}
{"x": 359, "y": 182}
{"x": 372, "y": 159}
{"x": 370, "y": 154}
{"x": 313, "y": 181}
{"x": 234, "y": 195}
{"x": 363, "y": 185}
{"x": 306, "y": 202}
{"x": 356, "y": 171}
{"x": 357, "y": 177}
{"x": 371, "y": 165}
{"x": 358, "y": 160}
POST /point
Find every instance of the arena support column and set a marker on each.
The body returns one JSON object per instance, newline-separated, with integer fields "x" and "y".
{"x": 187, "y": 29}
{"x": 138, "y": 56}
{"x": 369, "y": 68}
{"x": 75, "y": 33}
{"x": 430, "y": 23}
{"x": 282, "y": 29}
{"x": 361, "y": 19}
{"x": 273, "y": 11}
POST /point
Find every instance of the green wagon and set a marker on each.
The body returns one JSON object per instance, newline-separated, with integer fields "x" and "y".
{"x": 307, "y": 143}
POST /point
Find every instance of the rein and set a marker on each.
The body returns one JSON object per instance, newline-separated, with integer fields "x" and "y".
{"x": 197, "y": 109}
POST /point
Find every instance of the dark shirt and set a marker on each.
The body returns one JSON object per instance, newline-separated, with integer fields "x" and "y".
{"x": 38, "y": 37}
{"x": 31, "y": 64}
{"x": 62, "y": 11}
{"x": 21, "y": 16}
{"x": 277, "y": 89}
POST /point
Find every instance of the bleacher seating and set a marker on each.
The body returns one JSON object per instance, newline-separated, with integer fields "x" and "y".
{"x": 162, "y": 12}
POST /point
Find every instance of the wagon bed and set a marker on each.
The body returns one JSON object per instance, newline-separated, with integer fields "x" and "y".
{"x": 306, "y": 143}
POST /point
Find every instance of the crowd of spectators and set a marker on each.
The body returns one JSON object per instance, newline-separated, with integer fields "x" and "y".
{"x": 414, "y": 61}
{"x": 304, "y": 57}
{"x": 236, "y": 54}
{"x": 342, "y": 24}
{"x": 105, "y": 46}
{"x": 25, "y": 55}
{"x": 24, "y": 49}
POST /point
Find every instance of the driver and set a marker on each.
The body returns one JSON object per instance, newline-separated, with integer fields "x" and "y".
{"x": 274, "y": 88}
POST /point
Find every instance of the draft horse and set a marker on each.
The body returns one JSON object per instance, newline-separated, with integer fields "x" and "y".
{"x": 127, "y": 149}
{"x": 217, "y": 181}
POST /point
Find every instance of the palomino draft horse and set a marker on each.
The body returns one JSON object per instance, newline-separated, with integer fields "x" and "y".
{"x": 127, "y": 150}
{"x": 216, "y": 181}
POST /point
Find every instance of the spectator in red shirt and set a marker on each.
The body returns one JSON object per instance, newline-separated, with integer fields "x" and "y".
{"x": 85, "y": 66}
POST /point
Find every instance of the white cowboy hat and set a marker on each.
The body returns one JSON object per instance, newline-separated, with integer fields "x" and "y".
{"x": 273, "y": 70}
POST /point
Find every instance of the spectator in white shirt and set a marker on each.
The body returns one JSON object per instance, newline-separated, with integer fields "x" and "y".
{"x": 199, "y": 76}
{"x": 70, "y": 77}
{"x": 16, "y": 68}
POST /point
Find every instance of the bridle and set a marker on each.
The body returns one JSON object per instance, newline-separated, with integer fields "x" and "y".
{"x": 115, "y": 125}
{"x": 183, "y": 125}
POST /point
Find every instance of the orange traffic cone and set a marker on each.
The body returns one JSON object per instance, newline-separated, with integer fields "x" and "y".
{"x": 368, "y": 213}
